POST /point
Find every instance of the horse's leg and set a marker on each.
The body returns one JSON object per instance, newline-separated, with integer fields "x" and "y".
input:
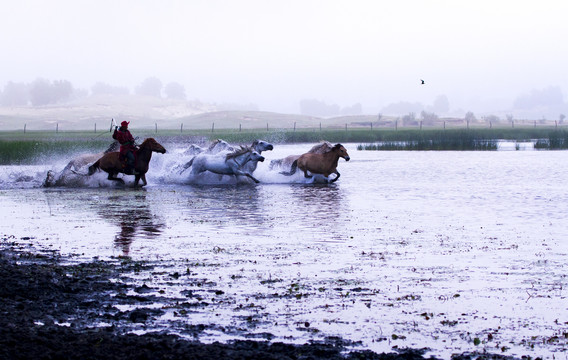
{"x": 136, "y": 180}
{"x": 337, "y": 177}
{"x": 112, "y": 176}
{"x": 239, "y": 172}
{"x": 306, "y": 174}
{"x": 252, "y": 177}
{"x": 143, "y": 177}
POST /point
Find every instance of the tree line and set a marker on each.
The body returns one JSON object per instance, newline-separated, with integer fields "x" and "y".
{"x": 45, "y": 92}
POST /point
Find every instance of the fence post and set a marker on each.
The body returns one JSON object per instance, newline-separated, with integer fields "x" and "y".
{"x": 266, "y": 126}
{"x": 95, "y": 128}
{"x": 555, "y": 124}
{"x": 240, "y": 127}
{"x": 181, "y": 128}
{"x": 371, "y": 126}
{"x": 420, "y": 124}
{"x": 294, "y": 126}
{"x": 156, "y": 126}
{"x": 56, "y": 128}
{"x": 396, "y": 125}
{"x": 490, "y": 124}
{"x": 213, "y": 127}
{"x": 320, "y": 126}
{"x": 25, "y": 128}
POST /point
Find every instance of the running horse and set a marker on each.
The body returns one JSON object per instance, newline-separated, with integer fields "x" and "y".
{"x": 75, "y": 165}
{"x": 113, "y": 165}
{"x": 226, "y": 163}
{"x": 324, "y": 164}
{"x": 321, "y": 148}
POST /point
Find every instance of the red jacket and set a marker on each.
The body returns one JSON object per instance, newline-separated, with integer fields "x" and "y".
{"x": 126, "y": 140}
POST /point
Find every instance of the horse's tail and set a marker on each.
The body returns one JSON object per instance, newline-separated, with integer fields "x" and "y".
{"x": 292, "y": 170}
{"x": 187, "y": 165}
{"x": 94, "y": 167}
{"x": 274, "y": 163}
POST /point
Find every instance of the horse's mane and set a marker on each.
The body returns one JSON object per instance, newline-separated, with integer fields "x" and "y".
{"x": 213, "y": 144}
{"x": 148, "y": 140}
{"x": 238, "y": 152}
{"x": 321, "y": 148}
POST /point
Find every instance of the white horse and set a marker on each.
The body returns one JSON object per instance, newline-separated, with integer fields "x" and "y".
{"x": 225, "y": 163}
{"x": 259, "y": 146}
{"x": 215, "y": 147}
{"x": 76, "y": 165}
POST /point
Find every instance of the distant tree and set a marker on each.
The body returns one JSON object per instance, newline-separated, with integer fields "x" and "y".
{"x": 355, "y": 109}
{"x": 62, "y": 90}
{"x": 429, "y": 118}
{"x": 469, "y": 116}
{"x": 492, "y": 118}
{"x": 175, "y": 90}
{"x": 409, "y": 119}
{"x": 40, "y": 92}
{"x": 43, "y": 92}
{"x": 152, "y": 86}
{"x": 15, "y": 94}
{"x": 510, "y": 117}
{"x": 561, "y": 118}
{"x": 105, "y": 89}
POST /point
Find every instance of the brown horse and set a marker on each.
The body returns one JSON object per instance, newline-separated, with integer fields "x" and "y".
{"x": 325, "y": 164}
{"x": 321, "y": 148}
{"x": 112, "y": 164}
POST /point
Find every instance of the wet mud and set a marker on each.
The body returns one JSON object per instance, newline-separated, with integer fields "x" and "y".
{"x": 52, "y": 307}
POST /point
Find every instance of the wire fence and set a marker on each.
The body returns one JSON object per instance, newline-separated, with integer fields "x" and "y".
{"x": 396, "y": 124}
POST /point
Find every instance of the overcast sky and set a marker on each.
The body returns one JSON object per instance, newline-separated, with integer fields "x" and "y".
{"x": 275, "y": 53}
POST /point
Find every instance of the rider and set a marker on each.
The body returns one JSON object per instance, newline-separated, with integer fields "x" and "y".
{"x": 127, "y": 145}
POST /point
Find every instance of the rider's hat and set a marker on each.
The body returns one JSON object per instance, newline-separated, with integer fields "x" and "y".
{"x": 124, "y": 123}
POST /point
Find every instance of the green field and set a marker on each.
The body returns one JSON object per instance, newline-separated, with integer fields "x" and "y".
{"x": 17, "y": 147}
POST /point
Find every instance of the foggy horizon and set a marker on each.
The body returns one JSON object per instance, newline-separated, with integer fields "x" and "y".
{"x": 482, "y": 56}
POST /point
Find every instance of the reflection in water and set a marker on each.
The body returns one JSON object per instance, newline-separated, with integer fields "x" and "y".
{"x": 238, "y": 205}
{"x": 323, "y": 207}
{"x": 132, "y": 214}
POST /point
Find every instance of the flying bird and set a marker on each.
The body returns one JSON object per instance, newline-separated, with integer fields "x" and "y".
{"x": 422, "y": 81}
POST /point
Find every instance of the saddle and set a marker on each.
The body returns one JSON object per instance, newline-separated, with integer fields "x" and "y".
{"x": 124, "y": 161}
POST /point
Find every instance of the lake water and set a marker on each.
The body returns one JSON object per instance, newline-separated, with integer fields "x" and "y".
{"x": 454, "y": 251}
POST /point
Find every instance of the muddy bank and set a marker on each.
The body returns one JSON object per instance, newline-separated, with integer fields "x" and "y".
{"x": 53, "y": 308}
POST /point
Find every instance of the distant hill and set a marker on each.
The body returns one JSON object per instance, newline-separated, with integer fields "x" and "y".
{"x": 147, "y": 112}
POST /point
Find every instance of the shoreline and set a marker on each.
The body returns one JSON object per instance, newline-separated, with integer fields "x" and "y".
{"x": 53, "y": 310}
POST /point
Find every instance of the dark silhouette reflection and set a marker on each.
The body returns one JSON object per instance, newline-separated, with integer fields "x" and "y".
{"x": 132, "y": 214}
{"x": 322, "y": 206}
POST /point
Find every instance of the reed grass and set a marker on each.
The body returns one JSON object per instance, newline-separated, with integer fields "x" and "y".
{"x": 557, "y": 140}
{"x": 26, "y": 152}
{"x": 439, "y": 140}
{"x": 39, "y": 146}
